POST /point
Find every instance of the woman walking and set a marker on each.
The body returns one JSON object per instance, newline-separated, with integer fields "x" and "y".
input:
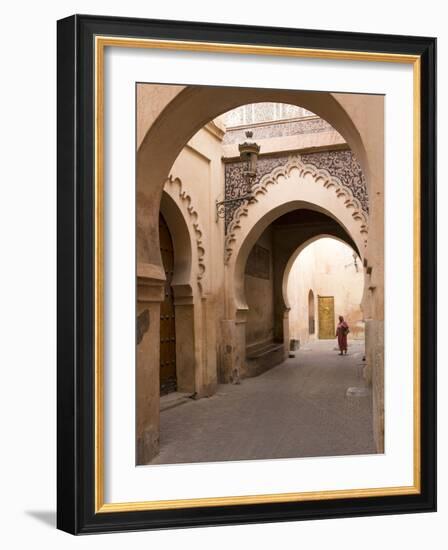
{"x": 341, "y": 334}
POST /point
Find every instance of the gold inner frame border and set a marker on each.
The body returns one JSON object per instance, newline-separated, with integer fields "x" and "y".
{"x": 100, "y": 43}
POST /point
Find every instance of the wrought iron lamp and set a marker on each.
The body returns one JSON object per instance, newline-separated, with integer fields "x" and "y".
{"x": 249, "y": 152}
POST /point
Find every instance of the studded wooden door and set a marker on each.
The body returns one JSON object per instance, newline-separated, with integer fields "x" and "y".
{"x": 326, "y": 317}
{"x": 168, "y": 382}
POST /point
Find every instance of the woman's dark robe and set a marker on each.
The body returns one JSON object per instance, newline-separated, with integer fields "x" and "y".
{"x": 341, "y": 333}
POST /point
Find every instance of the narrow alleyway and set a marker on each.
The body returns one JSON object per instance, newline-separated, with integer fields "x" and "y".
{"x": 298, "y": 409}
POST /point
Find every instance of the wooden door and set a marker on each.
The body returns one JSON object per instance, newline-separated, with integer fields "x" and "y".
{"x": 326, "y": 317}
{"x": 168, "y": 381}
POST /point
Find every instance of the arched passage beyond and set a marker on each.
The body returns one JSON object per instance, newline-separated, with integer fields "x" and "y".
{"x": 299, "y": 249}
{"x": 325, "y": 216}
{"x": 292, "y": 226}
{"x": 332, "y": 269}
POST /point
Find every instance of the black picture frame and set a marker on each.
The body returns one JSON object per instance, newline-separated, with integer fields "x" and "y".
{"x": 76, "y": 271}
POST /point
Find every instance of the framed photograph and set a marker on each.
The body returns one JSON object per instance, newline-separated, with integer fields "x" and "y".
{"x": 246, "y": 274}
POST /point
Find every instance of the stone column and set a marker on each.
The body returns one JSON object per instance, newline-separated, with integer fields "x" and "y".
{"x": 233, "y": 350}
{"x": 228, "y": 352}
{"x": 186, "y": 360}
{"x": 150, "y": 294}
{"x": 240, "y": 370}
{"x": 209, "y": 346}
{"x": 374, "y": 338}
{"x": 378, "y": 386}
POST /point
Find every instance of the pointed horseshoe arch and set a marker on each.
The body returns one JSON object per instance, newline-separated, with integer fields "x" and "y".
{"x": 292, "y": 188}
{"x": 281, "y": 175}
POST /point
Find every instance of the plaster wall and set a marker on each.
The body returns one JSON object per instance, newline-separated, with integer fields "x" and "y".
{"x": 151, "y": 100}
{"x": 260, "y": 300}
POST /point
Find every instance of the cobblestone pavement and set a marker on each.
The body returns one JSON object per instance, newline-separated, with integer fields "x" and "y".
{"x": 297, "y": 409}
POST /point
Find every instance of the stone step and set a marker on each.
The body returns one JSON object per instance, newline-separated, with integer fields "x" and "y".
{"x": 262, "y": 357}
{"x": 173, "y": 399}
{"x": 263, "y": 350}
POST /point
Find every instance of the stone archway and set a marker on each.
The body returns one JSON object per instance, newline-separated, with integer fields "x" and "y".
{"x": 287, "y": 267}
{"x": 292, "y": 187}
{"x": 187, "y": 280}
{"x": 295, "y": 186}
{"x": 194, "y": 304}
{"x": 296, "y": 253}
{"x": 182, "y": 284}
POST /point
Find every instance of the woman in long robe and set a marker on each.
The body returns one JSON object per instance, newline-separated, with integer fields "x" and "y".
{"x": 341, "y": 333}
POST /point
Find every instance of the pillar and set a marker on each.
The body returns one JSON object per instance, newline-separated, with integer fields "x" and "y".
{"x": 150, "y": 294}
{"x": 186, "y": 360}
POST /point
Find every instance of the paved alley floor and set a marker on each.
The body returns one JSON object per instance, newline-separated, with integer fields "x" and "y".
{"x": 297, "y": 409}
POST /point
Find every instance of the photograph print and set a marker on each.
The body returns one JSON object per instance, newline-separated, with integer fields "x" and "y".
{"x": 260, "y": 275}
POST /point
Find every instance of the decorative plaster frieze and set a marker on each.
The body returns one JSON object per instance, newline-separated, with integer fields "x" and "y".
{"x": 339, "y": 163}
{"x": 272, "y": 129}
{"x": 186, "y": 204}
{"x": 280, "y": 174}
{"x": 344, "y": 166}
{"x": 236, "y": 185}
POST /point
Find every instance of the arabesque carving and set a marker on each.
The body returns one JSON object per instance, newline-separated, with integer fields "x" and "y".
{"x": 236, "y": 184}
{"x": 187, "y": 203}
{"x": 280, "y": 174}
{"x": 343, "y": 165}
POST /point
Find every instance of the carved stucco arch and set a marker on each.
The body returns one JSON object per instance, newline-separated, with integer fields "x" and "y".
{"x": 190, "y": 251}
{"x": 280, "y": 175}
{"x": 292, "y": 187}
{"x": 188, "y": 271}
